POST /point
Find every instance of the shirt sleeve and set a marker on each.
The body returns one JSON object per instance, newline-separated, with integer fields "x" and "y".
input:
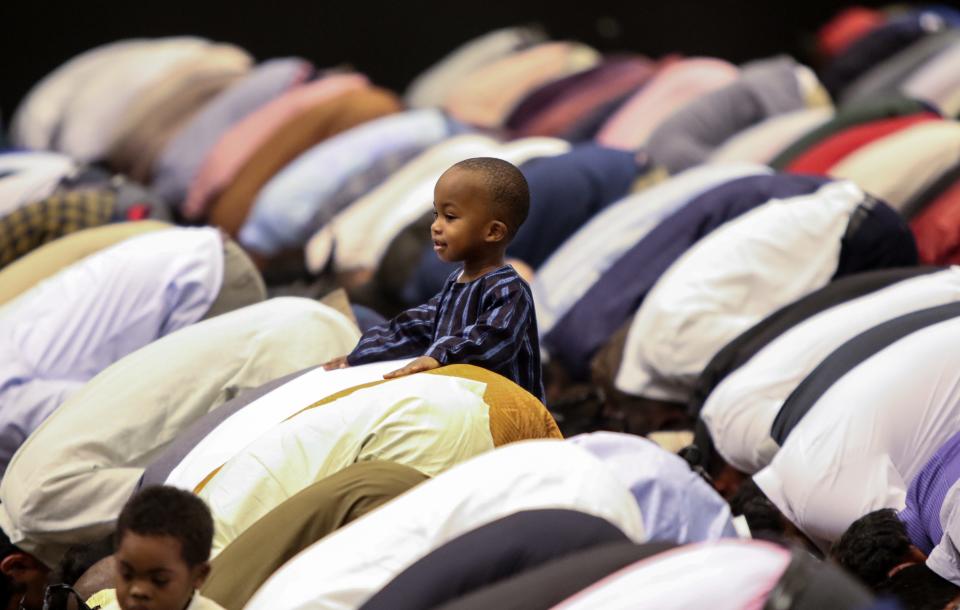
{"x": 408, "y": 334}
{"x": 494, "y": 339}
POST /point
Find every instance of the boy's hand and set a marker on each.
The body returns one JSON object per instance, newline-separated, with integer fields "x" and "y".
{"x": 423, "y": 363}
{"x": 336, "y": 363}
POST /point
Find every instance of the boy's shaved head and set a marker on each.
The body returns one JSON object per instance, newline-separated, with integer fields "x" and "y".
{"x": 508, "y": 190}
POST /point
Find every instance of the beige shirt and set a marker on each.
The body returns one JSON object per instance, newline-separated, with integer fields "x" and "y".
{"x": 69, "y": 480}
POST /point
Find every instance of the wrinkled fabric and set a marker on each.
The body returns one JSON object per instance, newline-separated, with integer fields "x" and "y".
{"x": 428, "y": 422}
{"x": 310, "y": 515}
{"x": 64, "y": 331}
{"x": 740, "y": 411}
{"x": 902, "y": 164}
{"x": 887, "y": 77}
{"x": 290, "y": 140}
{"x": 150, "y": 121}
{"x": 47, "y": 260}
{"x": 181, "y": 158}
{"x": 937, "y": 82}
{"x": 765, "y": 140}
{"x": 617, "y": 295}
{"x": 101, "y": 100}
{"x": 875, "y": 46}
{"x": 676, "y": 503}
{"x": 357, "y": 237}
{"x": 435, "y": 84}
{"x": 486, "y": 96}
{"x": 822, "y": 156}
{"x": 763, "y": 89}
{"x": 584, "y": 94}
{"x": 873, "y": 428}
{"x": 235, "y": 147}
{"x": 590, "y": 252}
{"x": 491, "y": 553}
{"x": 937, "y": 229}
{"x": 772, "y": 255}
{"x": 844, "y": 118}
{"x": 307, "y": 193}
{"x": 26, "y": 177}
{"x": 69, "y": 480}
{"x": 671, "y": 88}
{"x": 343, "y": 571}
{"x": 730, "y": 575}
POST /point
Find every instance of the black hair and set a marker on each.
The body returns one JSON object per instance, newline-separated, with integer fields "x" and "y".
{"x": 762, "y": 515}
{"x": 917, "y": 587}
{"x": 872, "y": 546}
{"x": 168, "y": 511}
{"x": 7, "y": 586}
{"x": 509, "y": 192}
{"x": 81, "y": 557}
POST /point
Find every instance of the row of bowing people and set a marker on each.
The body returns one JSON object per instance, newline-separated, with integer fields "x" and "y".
{"x": 709, "y": 246}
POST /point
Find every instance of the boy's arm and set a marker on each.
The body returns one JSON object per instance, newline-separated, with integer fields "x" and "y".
{"x": 408, "y": 334}
{"x": 496, "y": 336}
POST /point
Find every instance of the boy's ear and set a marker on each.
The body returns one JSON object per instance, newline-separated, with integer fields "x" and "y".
{"x": 496, "y": 231}
{"x": 200, "y": 574}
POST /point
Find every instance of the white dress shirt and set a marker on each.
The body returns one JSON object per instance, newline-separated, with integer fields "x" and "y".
{"x": 868, "y": 435}
{"x": 583, "y": 258}
{"x": 728, "y": 282}
{"x": 344, "y": 569}
{"x": 741, "y": 409}
{"x": 358, "y": 237}
{"x": 427, "y": 422}
{"x": 944, "y": 559}
{"x": 62, "y": 332}
{"x": 724, "y": 575}
{"x": 68, "y": 482}
{"x": 260, "y": 416}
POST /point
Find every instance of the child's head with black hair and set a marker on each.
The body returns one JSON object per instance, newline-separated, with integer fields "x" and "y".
{"x": 917, "y": 587}
{"x": 874, "y": 545}
{"x": 163, "y": 542}
{"x": 23, "y": 577}
{"x": 479, "y": 205}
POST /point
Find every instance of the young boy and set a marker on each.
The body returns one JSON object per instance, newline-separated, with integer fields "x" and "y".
{"x": 484, "y": 315}
{"x": 163, "y": 543}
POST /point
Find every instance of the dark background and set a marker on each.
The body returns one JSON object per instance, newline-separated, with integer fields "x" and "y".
{"x": 393, "y": 41}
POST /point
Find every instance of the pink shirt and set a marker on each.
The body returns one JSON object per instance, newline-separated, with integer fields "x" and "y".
{"x": 729, "y": 575}
{"x": 236, "y": 146}
{"x": 670, "y": 89}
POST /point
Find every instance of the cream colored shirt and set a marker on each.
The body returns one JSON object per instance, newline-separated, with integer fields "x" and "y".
{"x": 428, "y": 422}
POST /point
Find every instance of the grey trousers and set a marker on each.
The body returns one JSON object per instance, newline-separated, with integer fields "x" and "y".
{"x": 242, "y": 283}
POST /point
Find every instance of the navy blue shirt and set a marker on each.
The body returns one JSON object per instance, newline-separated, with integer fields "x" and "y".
{"x": 489, "y": 322}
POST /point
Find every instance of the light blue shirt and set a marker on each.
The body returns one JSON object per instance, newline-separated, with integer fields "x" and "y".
{"x": 307, "y": 193}
{"x": 677, "y": 505}
{"x": 61, "y": 333}
{"x": 570, "y": 272}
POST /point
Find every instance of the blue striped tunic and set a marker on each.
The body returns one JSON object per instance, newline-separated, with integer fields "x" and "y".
{"x": 489, "y": 322}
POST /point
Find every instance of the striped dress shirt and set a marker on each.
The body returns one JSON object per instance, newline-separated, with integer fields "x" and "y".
{"x": 489, "y": 322}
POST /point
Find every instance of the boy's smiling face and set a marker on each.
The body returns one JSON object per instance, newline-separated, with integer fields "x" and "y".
{"x": 463, "y": 216}
{"x": 152, "y": 574}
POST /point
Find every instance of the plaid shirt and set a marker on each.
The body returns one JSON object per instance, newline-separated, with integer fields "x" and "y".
{"x": 66, "y": 211}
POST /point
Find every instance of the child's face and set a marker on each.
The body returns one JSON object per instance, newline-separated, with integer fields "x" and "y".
{"x": 462, "y": 215}
{"x": 152, "y": 575}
